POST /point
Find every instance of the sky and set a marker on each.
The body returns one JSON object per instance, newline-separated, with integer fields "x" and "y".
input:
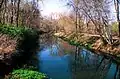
{"x": 53, "y": 6}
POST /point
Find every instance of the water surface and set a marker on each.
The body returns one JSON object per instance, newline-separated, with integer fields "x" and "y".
{"x": 59, "y": 60}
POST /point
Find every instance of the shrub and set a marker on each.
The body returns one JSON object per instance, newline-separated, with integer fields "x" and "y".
{"x": 15, "y": 31}
{"x": 27, "y": 74}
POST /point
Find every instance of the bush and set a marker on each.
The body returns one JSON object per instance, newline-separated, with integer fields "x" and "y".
{"x": 15, "y": 31}
{"x": 26, "y": 74}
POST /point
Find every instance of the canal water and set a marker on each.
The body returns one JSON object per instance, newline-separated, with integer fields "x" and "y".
{"x": 59, "y": 60}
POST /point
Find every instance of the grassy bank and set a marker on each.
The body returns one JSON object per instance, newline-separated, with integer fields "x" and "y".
{"x": 80, "y": 40}
{"x": 92, "y": 43}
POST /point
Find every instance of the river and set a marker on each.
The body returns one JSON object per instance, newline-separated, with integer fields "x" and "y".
{"x": 59, "y": 60}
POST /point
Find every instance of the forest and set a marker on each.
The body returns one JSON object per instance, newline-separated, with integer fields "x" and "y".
{"x": 90, "y": 24}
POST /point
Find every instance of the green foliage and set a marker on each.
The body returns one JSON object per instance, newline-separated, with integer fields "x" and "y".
{"x": 27, "y": 74}
{"x": 72, "y": 42}
{"x": 87, "y": 45}
{"x": 15, "y": 31}
{"x": 115, "y": 27}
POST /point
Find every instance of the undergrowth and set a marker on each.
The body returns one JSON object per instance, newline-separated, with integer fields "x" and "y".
{"x": 26, "y": 74}
{"x": 14, "y": 31}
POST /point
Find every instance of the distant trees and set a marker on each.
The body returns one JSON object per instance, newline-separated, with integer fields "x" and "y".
{"x": 66, "y": 23}
{"x": 20, "y": 12}
{"x": 24, "y": 13}
{"x": 86, "y": 16}
{"x": 75, "y": 5}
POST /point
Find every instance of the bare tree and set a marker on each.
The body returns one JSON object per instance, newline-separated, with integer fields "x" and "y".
{"x": 18, "y": 7}
{"x": 12, "y": 12}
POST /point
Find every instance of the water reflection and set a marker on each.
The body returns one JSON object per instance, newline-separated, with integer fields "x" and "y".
{"x": 53, "y": 64}
{"x": 60, "y": 60}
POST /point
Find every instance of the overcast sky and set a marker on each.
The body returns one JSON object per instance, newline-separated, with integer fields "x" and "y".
{"x": 59, "y": 6}
{"x": 53, "y": 6}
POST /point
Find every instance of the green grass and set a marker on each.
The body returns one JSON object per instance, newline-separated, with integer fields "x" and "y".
{"x": 79, "y": 44}
{"x": 27, "y": 74}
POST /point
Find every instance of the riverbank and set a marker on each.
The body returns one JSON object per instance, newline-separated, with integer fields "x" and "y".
{"x": 11, "y": 38}
{"x": 17, "y": 44}
{"x": 91, "y": 42}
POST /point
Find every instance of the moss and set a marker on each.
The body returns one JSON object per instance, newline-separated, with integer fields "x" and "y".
{"x": 26, "y": 74}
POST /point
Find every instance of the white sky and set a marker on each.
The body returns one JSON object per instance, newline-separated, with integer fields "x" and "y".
{"x": 49, "y": 7}
{"x": 53, "y": 6}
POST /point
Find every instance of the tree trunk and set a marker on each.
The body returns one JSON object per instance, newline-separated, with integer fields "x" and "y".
{"x": 4, "y": 14}
{"x": 1, "y": 3}
{"x": 118, "y": 17}
{"x": 18, "y": 6}
{"x": 12, "y": 12}
{"x": 0, "y": 8}
{"x": 119, "y": 27}
{"x": 76, "y": 19}
{"x": 79, "y": 23}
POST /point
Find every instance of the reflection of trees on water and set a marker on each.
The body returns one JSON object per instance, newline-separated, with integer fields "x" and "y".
{"x": 55, "y": 45}
{"x": 47, "y": 40}
{"x": 87, "y": 65}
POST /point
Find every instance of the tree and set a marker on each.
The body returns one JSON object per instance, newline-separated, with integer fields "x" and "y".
{"x": 1, "y": 3}
{"x": 12, "y": 11}
{"x": 18, "y": 7}
{"x": 74, "y": 4}
{"x": 20, "y": 12}
{"x": 98, "y": 12}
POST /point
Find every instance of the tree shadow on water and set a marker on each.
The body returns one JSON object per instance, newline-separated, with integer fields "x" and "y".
{"x": 28, "y": 45}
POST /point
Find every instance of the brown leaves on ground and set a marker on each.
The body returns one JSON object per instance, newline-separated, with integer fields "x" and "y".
{"x": 97, "y": 44}
{"x": 111, "y": 49}
{"x": 7, "y": 44}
